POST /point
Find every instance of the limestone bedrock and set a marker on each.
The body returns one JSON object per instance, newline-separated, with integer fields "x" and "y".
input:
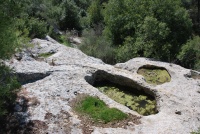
{"x": 56, "y": 80}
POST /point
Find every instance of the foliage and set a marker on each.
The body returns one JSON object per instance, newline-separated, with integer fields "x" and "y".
{"x": 156, "y": 29}
{"x": 37, "y": 28}
{"x": 135, "y": 101}
{"x": 48, "y": 10}
{"x": 194, "y": 12}
{"x": 9, "y": 40}
{"x": 98, "y": 110}
{"x": 126, "y": 51}
{"x": 190, "y": 54}
{"x": 8, "y": 31}
{"x": 97, "y": 46}
{"x": 71, "y": 16}
{"x": 45, "y": 15}
{"x": 155, "y": 76}
{"x": 8, "y": 84}
{"x": 64, "y": 39}
{"x": 94, "y": 13}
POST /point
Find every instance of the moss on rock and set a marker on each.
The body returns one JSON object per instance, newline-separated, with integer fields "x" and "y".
{"x": 138, "y": 102}
{"x": 45, "y": 55}
{"x": 155, "y": 76}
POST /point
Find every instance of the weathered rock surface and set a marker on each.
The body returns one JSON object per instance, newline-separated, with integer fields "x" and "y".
{"x": 49, "y": 84}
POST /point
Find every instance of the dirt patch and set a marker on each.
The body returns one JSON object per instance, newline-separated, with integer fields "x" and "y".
{"x": 88, "y": 123}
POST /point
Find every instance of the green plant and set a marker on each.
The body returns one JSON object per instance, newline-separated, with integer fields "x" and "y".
{"x": 98, "y": 111}
{"x": 8, "y": 85}
{"x": 154, "y": 29}
{"x": 97, "y": 46}
{"x": 94, "y": 13}
{"x": 190, "y": 54}
{"x": 37, "y": 28}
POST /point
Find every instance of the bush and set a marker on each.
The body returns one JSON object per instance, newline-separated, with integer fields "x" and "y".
{"x": 37, "y": 28}
{"x": 125, "y": 52}
{"x": 8, "y": 84}
{"x": 190, "y": 54}
{"x": 97, "y": 46}
{"x": 62, "y": 38}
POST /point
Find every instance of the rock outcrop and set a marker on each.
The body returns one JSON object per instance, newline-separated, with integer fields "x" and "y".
{"x": 49, "y": 84}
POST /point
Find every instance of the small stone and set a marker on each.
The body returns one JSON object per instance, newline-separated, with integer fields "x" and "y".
{"x": 91, "y": 129}
{"x": 18, "y": 108}
{"x": 130, "y": 123}
{"x": 75, "y": 93}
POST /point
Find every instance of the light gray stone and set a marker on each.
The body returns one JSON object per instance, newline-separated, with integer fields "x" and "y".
{"x": 57, "y": 80}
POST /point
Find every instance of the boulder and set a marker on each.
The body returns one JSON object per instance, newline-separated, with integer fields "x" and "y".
{"x": 56, "y": 80}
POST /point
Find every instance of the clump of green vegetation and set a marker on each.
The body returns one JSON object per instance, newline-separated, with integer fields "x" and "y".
{"x": 140, "y": 103}
{"x": 63, "y": 39}
{"x": 155, "y": 76}
{"x": 45, "y": 55}
{"x": 98, "y": 111}
{"x": 8, "y": 86}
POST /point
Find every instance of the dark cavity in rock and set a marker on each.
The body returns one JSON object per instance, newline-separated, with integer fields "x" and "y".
{"x": 25, "y": 78}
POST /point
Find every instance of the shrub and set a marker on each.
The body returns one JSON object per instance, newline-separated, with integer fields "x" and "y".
{"x": 190, "y": 54}
{"x": 97, "y": 46}
{"x": 37, "y": 28}
{"x": 8, "y": 84}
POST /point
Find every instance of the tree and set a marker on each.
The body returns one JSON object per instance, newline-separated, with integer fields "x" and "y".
{"x": 154, "y": 28}
{"x": 94, "y": 13}
{"x": 193, "y": 7}
{"x": 9, "y": 13}
{"x": 190, "y": 54}
{"x": 71, "y": 18}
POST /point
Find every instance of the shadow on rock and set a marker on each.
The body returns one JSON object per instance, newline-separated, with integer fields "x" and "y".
{"x": 16, "y": 121}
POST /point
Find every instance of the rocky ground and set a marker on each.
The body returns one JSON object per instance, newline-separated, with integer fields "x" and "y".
{"x": 50, "y": 84}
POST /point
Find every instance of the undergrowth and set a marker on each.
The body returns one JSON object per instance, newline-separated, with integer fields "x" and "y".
{"x": 8, "y": 86}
